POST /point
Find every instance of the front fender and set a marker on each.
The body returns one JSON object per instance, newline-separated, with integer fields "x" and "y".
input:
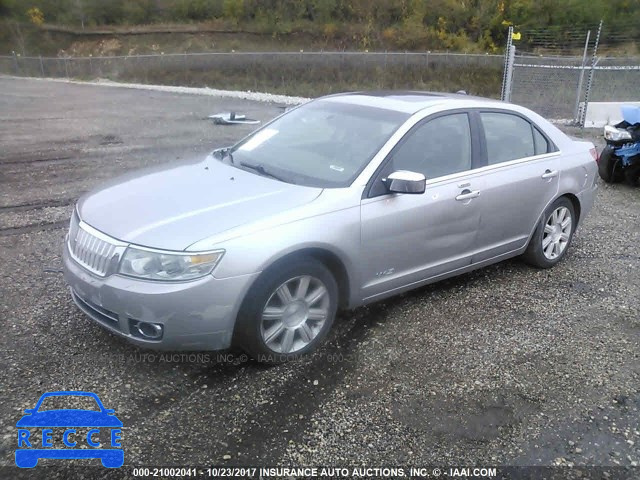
{"x": 337, "y": 233}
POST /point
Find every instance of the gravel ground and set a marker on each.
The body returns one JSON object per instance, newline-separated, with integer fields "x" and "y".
{"x": 504, "y": 366}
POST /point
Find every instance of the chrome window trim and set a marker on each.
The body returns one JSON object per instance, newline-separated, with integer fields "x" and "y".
{"x": 469, "y": 106}
{"x": 469, "y": 174}
{"x": 495, "y": 166}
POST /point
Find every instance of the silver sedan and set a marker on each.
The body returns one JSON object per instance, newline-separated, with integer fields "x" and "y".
{"x": 343, "y": 201}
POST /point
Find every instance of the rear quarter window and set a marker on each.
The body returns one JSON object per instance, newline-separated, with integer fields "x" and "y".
{"x": 540, "y": 142}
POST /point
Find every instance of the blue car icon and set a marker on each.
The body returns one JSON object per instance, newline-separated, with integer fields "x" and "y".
{"x": 28, "y": 456}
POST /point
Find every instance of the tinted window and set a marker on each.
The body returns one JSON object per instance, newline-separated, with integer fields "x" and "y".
{"x": 509, "y": 137}
{"x": 439, "y": 147}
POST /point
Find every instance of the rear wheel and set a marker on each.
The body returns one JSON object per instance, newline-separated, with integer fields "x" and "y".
{"x": 288, "y": 312}
{"x": 609, "y": 166}
{"x": 552, "y": 237}
{"x": 632, "y": 172}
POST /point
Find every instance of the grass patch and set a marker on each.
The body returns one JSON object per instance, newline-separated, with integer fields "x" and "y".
{"x": 297, "y": 74}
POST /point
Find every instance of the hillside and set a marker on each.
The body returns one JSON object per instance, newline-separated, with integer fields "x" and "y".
{"x": 144, "y": 26}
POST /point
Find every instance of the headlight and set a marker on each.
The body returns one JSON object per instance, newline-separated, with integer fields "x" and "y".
{"x": 170, "y": 266}
{"x": 616, "y": 134}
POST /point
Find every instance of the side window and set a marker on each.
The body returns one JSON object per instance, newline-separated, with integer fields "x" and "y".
{"x": 509, "y": 137}
{"x": 439, "y": 147}
{"x": 540, "y": 142}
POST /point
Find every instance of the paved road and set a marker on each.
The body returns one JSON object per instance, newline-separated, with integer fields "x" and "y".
{"x": 505, "y": 366}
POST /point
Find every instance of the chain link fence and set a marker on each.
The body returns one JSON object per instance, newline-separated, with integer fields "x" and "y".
{"x": 548, "y": 85}
{"x": 616, "y": 80}
{"x": 558, "y": 74}
{"x": 303, "y": 73}
{"x": 556, "y": 82}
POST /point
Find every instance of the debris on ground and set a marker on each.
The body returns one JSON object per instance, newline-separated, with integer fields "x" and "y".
{"x": 232, "y": 118}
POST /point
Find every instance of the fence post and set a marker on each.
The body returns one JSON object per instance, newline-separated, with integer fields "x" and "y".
{"x": 41, "y": 65}
{"x": 511, "y": 58}
{"x": 507, "y": 67}
{"x": 15, "y": 62}
{"x": 66, "y": 68}
{"x": 184, "y": 63}
{"x": 576, "y": 116}
{"x": 594, "y": 60}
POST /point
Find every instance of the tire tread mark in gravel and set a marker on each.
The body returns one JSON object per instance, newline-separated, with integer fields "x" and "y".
{"x": 261, "y": 441}
{"x": 34, "y": 160}
{"x": 63, "y": 202}
{"x": 37, "y": 227}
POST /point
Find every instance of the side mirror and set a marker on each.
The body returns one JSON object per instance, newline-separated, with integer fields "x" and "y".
{"x": 404, "y": 181}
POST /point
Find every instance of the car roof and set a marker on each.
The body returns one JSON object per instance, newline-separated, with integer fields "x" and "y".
{"x": 408, "y": 101}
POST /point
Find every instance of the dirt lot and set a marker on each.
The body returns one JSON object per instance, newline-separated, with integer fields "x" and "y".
{"x": 505, "y": 366}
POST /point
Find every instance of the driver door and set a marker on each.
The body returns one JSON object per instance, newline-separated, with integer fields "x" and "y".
{"x": 409, "y": 238}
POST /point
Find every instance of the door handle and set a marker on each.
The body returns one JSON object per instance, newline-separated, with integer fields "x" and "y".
{"x": 467, "y": 194}
{"x": 550, "y": 174}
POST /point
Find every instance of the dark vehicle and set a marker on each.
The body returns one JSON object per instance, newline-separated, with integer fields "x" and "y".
{"x": 620, "y": 159}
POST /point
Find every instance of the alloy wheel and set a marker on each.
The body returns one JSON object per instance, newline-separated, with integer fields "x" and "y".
{"x": 557, "y": 233}
{"x": 294, "y": 314}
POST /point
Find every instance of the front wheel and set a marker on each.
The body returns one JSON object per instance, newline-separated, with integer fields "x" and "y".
{"x": 552, "y": 237}
{"x": 288, "y": 312}
{"x": 609, "y": 166}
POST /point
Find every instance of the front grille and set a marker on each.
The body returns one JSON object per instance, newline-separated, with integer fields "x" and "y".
{"x": 92, "y": 250}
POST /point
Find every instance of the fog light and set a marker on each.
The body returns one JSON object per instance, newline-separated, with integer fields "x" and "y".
{"x": 146, "y": 330}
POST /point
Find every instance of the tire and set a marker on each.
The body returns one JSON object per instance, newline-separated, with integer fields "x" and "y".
{"x": 552, "y": 237}
{"x": 609, "y": 167}
{"x": 288, "y": 311}
{"x": 632, "y": 173}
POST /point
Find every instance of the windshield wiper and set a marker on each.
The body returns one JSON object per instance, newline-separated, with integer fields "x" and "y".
{"x": 261, "y": 170}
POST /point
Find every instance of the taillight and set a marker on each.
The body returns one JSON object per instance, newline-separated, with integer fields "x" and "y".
{"x": 594, "y": 154}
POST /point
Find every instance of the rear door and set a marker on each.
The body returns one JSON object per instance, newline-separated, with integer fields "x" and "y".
{"x": 519, "y": 180}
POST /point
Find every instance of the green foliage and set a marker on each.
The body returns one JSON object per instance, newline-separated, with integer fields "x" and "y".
{"x": 233, "y": 10}
{"x": 478, "y": 25}
{"x": 195, "y": 10}
{"x": 139, "y": 12}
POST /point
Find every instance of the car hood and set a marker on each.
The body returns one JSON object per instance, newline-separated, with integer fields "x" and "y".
{"x": 69, "y": 418}
{"x": 174, "y": 206}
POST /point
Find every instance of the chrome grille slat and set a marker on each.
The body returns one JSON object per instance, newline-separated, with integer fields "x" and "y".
{"x": 85, "y": 249}
{"x": 100, "y": 251}
{"x": 83, "y": 245}
{"x": 80, "y": 245}
{"x": 105, "y": 255}
{"x": 94, "y": 250}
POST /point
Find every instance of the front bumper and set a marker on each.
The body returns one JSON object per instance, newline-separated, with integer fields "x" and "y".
{"x": 195, "y": 315}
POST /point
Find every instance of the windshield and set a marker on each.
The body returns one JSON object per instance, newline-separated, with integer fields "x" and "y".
{"x": 321, "y": 144}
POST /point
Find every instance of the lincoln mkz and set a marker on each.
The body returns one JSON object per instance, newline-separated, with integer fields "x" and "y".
{"x": 343, "y": 201}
